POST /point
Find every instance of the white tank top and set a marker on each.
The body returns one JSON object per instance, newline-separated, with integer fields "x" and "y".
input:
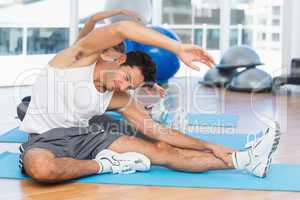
{"x": 64, "y": 98}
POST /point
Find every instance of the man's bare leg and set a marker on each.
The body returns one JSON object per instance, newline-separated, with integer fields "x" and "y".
{"x": 163, "y": 154}
{"x": 43, "y": 166}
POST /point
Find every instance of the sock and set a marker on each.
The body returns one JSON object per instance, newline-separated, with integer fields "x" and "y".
{"x": 240, "y": 159}
{"x": 104, "y": 165}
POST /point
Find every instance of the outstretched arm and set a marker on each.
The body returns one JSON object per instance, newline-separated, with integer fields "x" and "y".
{"x": 91, "y": 23}
{"x": 140, "y": 119}
{"x": 113, "y": 34}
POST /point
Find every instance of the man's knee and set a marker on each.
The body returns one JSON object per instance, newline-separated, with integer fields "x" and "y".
{"x": 165, "y": 152}
{"x": 40, "y": 165}
{"x": 163, "y": 147}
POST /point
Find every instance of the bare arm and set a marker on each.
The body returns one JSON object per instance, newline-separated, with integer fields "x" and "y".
{"x": 98, "y": 40}
{"x": 140, "y": 119}
{"x": 111, "y": 35}
{"x": 83, "y": 52}
{"x": 91, "y": 23}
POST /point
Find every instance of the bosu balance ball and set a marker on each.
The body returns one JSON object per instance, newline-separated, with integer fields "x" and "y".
{"x": 218, "y": 78}
{"x": 142, "y": 7}
{"x": 251, "y": 80}
{"x": 239, "y": 56}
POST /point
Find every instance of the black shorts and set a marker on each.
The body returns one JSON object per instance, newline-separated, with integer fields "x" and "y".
{"x": 82, "y": 143}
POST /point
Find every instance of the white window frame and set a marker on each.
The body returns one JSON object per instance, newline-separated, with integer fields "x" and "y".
{"x": 225, "y": 25}
{"x": 290, "y": 35}
{"x": 225, "y": 10}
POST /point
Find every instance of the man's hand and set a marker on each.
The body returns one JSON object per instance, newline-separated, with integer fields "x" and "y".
{"x": 222, "y": 153}
{"x": 192, "y": 53}
{"x": 131, "y": 14}
{"x": 157, "y": 88}
{"x": 91, "y": 23}
{"x": 161, "y": 90}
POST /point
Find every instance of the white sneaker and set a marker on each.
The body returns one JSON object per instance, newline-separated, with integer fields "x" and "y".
{"x": 260, "y": 168}
{"x": 260, "y": 152}
{"x": 126, "y": 163}
{"x": 141, "y": 162}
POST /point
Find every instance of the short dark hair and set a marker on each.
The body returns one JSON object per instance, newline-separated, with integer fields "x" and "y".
{"x": 121, "y": 48}
{"x": 145, "y": 63}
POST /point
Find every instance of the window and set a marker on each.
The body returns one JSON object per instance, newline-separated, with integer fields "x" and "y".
{"x": 177, "y": 12}
{"x": 11, "y": 42}
{"x": 30, "y": 1}
{"x": 252, "y": 22}
{"x": 199, "y": 37}
{"x": 261, "y": 36}
{"x": 207, "y": 12}
{"x": 244, "y": 1}
{"x": 185, "y": 35}
{"x": 194, "y": 21}
{"x": 276, "y": 10}
{"x": 47, "y": 40}
{"x": 262, "y": 21}
{"x": 247, "y": 37}
{"x": 234, "y": 37}
{"x": 258, "y": 23}
{"x": 276, "y": 22}
{"x": 213, "y": 39}
{"x": 238, "y": 14}
{"x": 276, "y": 37}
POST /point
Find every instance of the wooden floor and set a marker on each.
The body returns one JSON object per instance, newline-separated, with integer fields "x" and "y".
{"x": 255, "y": 111}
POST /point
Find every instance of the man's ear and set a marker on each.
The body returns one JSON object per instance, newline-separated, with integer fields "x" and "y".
{"x": 122, "y": 59}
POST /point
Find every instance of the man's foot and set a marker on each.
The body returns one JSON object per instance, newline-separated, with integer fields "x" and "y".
{"x": 125, "y": 163}
{"x": 260, "y": 168}
{"x": 257, "y": 158}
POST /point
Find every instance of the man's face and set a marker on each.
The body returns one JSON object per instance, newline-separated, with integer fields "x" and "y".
{"x": 124, "y": 79}
{"x": 111, "y": 55}
{"x": 134, "y": 76}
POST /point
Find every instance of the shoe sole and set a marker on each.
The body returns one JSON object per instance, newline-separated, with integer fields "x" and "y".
{"x": 276, "y": 139}
{"x": 274, "y": 148}
{"x": 267, "y": 168}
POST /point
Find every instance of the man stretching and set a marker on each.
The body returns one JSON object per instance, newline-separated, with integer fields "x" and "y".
{"x": 113, "y": 57}
{"x": 66, "y": 144}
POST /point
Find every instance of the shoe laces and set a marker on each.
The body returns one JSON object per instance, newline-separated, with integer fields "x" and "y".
{"x": 253, "y": 138}
{"x": 124, "y": 167}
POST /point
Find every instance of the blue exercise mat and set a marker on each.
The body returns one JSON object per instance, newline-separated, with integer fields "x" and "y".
{"x": 195, "y": 119}
{"x": 200, "y": 122}
{"x": 14, "y": 136}
{"x": 222, "y": 120}
{"x": 17, "y": 136}
{"x": 203, "y": 119}
{"x": 281, "y": 177}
